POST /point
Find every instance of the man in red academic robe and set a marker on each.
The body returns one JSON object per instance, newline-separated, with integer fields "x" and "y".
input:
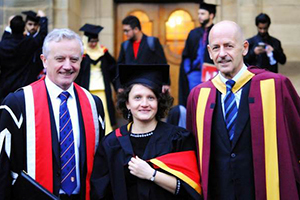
{"x": 246, "y": 130}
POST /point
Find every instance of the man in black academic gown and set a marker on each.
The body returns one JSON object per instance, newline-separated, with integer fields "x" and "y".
{"x": 265, "y": 51}
{"x": 98, "y": 71}
{"x": 140, "y": 48}
{"x": 17, "y": 53}
{"x": 195, "y": 52}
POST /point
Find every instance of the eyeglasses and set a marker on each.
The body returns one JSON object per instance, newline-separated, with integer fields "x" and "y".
{"x": 126, "y": 30}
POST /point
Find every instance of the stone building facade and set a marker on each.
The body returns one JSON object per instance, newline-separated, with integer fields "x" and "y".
{"x": 74, "y": 13}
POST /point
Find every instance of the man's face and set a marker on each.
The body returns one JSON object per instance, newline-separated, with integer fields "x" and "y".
{"x": 63, "y": 62}
{"x": 129, "y": 32}
{"x": 263, "y": 29}
{"x": 203, "y": 16}
{"x": 226, "y": 49}
{"x": 31, "y": 27}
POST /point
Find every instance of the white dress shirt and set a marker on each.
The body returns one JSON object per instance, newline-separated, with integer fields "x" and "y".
{"x": 238, "y": 93}
{"x": 54, "y": 91}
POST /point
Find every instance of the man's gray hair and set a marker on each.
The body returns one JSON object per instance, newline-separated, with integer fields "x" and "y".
{"x": 59, "y": 34}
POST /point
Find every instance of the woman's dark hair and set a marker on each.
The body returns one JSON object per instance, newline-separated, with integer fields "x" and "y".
{"x": 164, "y": 102}
{"x": 132, "y": 21}
{"x": 263, "y": 19}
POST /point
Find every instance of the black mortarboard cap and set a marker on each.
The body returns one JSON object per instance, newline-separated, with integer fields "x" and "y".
{"x": 211, "y": 8}
{"x": 31, "y": 15}
{"x": 152, "y": 75}
{"x": 91, "y": 31}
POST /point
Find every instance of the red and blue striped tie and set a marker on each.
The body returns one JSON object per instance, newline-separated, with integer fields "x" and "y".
{"x": 230, "y": 109}
{"x": 67, "y": 151}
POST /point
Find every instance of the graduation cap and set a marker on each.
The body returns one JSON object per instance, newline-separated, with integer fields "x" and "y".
{"x": 152, "y": 75}
{"x": 31, "y": 15}
{"x": 211, "y": 8}
{"x": 90, "y": 30}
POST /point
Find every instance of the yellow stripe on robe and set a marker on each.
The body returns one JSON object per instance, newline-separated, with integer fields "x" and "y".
{"x": 201, "y": 105}
{"x": 178, "y": 174}
{"x": 268, "y": 96}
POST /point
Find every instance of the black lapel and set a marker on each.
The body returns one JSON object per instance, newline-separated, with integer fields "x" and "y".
{"x": 142, "y": 48}
{"x": 126, "y": 144}
{"x": 129, "y": 52}
{"x": 220, "y": 122}
{"x": 243, "y": 113}
{"x": 54, "y": 136}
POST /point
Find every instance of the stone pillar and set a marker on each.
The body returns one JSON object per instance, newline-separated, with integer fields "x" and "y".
{"x": 100, "y": 12}
{"x": 67, "y": 14}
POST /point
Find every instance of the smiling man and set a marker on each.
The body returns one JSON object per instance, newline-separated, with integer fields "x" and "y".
{"x": 51, "y": 127}
{"x": 246, "y": 121}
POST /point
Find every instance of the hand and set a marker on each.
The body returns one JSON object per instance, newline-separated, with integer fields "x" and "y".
{"x": 40, "y": 13}
{"x": 166, "y": 88}
{"x": 120, "y": 90}
{"x": 10, "y": 18}
{"x": 259, "y": 50}
{"x": 140, "y": 168}
{"x": 269, "y": 49}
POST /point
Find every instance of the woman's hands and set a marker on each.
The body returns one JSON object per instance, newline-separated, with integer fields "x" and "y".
{"x": 140, "y": 168}
{"x": 143, "y": 170}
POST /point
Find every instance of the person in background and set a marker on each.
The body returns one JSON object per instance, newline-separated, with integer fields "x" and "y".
{"x": 51, "y": 128}
{"x": 246, "y": 121}
{"x": 195, "y": 54}
{"x": 265, "y": 51}
{"x": 32, "y": 24}
{"x": 140, "y": 48}
{"x": 17, "y": 53}
{"x": 98, "y": 71}
{"x": 146, "y": 158}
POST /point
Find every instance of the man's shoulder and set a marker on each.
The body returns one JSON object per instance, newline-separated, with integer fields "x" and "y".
{"x": 273, "y": 39}
{"x": 196, "y": 90}
{"x": 262, "y": 74}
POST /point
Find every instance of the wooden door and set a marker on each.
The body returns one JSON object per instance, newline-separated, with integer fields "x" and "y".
{"x": 164, "y": 22}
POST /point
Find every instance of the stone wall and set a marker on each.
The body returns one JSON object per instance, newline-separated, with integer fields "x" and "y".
{"x": 100, "y": 12}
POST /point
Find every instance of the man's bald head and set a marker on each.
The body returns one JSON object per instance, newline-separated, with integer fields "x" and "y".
{"x": 226, "y": 47}
{"x": 228, "y": 27}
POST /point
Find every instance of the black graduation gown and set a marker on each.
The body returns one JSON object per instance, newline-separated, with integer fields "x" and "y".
{"x": 190, "y": 51}
{"x": 17, "y": 162}
{"x": 113, "y": 154}
{"x": 262, "y": 60}
{"x": 109, "y": 71}
{"x": 16, "y": 59}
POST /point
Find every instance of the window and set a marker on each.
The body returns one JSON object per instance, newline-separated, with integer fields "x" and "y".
{"x": 178, "y": 27}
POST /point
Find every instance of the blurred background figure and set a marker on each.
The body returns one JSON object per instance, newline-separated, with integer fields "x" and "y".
{"x": 195, "y": 55}
{"x": 98, "y": 71}
{"x": 19, "y": 55}
{"x": 177, "y": 116}
{"x": 31, "y": 22}
{"x": 265, "y": 51}
{"x": 140, "y": 48}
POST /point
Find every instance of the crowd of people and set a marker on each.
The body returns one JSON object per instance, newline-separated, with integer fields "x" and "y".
{"x": 239, "y": 134}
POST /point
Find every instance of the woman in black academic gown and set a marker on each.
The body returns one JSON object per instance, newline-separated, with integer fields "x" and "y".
{"x": 147, "y": 158}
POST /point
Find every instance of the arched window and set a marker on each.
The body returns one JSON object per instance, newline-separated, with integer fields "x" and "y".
{"x": 178, "y": 27}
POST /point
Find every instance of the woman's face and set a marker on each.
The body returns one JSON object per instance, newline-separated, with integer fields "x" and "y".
{"x": 142, "y": 103}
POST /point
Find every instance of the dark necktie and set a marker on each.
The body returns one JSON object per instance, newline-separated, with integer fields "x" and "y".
{"x": 230, "y": 109}
{"x": 67, "y": 151}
